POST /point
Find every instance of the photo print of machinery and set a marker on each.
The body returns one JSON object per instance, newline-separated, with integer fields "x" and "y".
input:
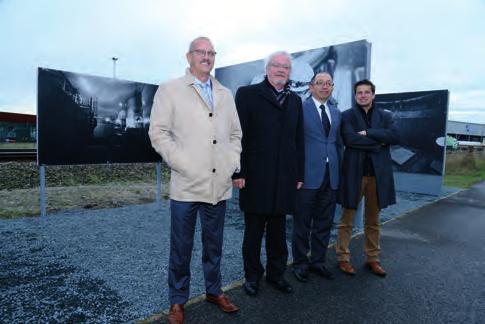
{"x": 84, "y": 119}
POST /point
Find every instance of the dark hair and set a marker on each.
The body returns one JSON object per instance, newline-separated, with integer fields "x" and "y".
{"x": 365, "y": 82}
{"x": 312, "y": 80}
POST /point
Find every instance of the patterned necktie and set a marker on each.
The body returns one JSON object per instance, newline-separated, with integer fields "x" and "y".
{"x": 206, "y": 92}
{"x": 325, "y": 120}
{"x": 281, "y": 97}
{"x": 206, "y": 89}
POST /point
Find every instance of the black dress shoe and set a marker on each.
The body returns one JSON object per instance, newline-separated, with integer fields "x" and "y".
{"x": 323, "y": 271}
{"x": 251, "y": 287}
{"x": 281, "y": 285}
{"x": 300, "y": 274}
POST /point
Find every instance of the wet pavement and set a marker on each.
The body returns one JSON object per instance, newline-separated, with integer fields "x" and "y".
{"x": 435, "y": 259}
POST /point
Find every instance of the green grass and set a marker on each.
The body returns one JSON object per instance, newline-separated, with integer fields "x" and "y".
{"x": 17, "y": 145}
{"x": 464, "y": 169}
{"x": 12, "y": 214}
{"x": 463, "y": 181}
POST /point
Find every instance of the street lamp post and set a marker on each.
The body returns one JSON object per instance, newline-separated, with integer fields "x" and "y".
{"x": 114, "y": 58}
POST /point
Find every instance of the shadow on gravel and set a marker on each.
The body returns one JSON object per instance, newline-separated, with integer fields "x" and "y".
{"x": 36, "y": 286}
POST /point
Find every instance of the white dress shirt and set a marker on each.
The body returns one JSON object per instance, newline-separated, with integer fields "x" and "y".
{"x": 327, "y": 111}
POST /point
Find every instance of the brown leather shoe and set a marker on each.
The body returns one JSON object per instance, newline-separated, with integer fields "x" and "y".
{"x": 346, "y": 268}
{"x": 376, "y": 268}
{"x": 176, "y": 314}
{"x": 222, "y": 302}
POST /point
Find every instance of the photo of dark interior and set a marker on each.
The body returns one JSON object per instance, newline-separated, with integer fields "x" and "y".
{"x": 85, "y": 119}
{"x": 421, "y": 119}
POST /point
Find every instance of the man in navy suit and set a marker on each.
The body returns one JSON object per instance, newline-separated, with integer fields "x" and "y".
{"x": 317, "y": 198}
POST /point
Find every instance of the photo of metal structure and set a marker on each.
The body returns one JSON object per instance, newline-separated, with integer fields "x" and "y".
{"x": 85, "y": 119}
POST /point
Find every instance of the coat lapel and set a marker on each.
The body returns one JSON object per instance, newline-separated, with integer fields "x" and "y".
{"x": 313, "y": 116}
{"x": 189, "y": 80}
{"x": 217, "y": 92}
{"x": 375, "y": 121}
{"x": 268, "y": 94}
{"x": 361, "y": 125}
{"x": 335, "y": 117}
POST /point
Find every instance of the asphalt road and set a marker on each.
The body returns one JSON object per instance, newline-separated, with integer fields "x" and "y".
{"x": 435, "y": 259}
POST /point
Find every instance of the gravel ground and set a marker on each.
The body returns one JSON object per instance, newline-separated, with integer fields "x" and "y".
{"x": 110, "y": 265}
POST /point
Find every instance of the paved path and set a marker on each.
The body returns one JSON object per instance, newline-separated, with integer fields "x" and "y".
{"x": 435, "y": 258}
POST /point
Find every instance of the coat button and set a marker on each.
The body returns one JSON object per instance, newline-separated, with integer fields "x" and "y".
{"x": 213, "y": 170}
{"x": 210, "y": 114}
{"x": 214, "y": 142}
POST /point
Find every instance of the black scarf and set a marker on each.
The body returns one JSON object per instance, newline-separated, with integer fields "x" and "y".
{"x": 280, "y": 95}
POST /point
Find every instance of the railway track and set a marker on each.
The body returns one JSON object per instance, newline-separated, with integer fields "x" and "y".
{"x": 18, "y": 154}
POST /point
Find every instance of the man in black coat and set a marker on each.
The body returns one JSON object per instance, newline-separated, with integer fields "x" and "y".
{"x": 272, "y": 162}
{"x": 367, "y": 133}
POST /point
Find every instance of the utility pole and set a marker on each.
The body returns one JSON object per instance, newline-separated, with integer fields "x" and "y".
{"x": 114, "y": 58}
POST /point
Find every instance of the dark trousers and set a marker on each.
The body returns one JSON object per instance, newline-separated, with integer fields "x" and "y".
{"x": 276, "y": 249}
{"x": 183, "y": 220}
{"x": 312, "y": 222}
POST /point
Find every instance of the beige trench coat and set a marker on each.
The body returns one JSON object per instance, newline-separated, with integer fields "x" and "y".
{"x": 202, "y": 147}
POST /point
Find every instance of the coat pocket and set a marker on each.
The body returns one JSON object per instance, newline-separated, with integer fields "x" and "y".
{"x": 178, "y": 161}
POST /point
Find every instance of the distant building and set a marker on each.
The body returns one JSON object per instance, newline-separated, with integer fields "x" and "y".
{"x": 463, "y": 131}
{"x": 17, "y": 128}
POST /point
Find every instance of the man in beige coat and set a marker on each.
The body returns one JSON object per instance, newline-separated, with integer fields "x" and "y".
{"x": 194, "y": 126}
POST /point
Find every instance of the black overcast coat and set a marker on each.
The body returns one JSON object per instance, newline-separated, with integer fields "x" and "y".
{"x": 272, "y": 157}
{"x": 380, "y": 136}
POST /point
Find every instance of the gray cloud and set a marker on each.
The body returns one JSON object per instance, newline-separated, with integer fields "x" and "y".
{"x": 416, "y": 45}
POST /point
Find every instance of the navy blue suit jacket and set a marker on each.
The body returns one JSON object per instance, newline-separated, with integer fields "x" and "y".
{"x": 318, "y": 146}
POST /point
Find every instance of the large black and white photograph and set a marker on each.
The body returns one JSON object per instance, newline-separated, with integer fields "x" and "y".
{"x": 421, "y": 119}
{"x": 84, "y": 119}
{"x": 346, "y": 63}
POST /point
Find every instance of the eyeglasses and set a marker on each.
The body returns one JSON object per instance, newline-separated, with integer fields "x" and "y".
{"x": 323, "y": 83}
{"x": 280, "y": 66}
{"x": 201, "y": 52}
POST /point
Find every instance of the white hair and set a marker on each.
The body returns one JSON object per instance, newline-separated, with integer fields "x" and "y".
{"x": 272, "y": 55}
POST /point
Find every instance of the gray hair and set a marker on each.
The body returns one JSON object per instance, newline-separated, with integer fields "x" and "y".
{"x": 192, "y": 43}
{"x": 272, "y": 55}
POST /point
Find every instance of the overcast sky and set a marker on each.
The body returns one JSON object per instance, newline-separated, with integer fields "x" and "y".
{"x": 416, "y": 45}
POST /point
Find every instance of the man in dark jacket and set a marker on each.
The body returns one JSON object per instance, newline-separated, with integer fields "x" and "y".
{"x": 367, "y": 133}
{"x": 272, "y": 160}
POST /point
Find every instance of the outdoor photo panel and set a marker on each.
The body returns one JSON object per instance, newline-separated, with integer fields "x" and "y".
{"x": 347, "y": 63}
{"x": 421, "y": 120}
{"x": 84, "y": 119}
{"x": 421, "y": 117}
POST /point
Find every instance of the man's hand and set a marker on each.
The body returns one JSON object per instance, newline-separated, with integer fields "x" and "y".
{"x": 362, "y": 132}
{"x": 239, "y": 183}
{"x": 299, "y": 185}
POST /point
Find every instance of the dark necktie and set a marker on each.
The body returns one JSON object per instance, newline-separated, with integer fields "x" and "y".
{"x": 325, "y": 120}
